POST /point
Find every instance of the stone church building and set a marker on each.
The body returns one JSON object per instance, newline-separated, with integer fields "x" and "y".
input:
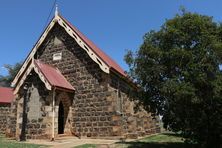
{"x": 68, "y": 86}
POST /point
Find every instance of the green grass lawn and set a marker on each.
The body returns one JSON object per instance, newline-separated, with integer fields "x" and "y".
{"x": 163, "y": 140}
{"x": 5, "y": 143}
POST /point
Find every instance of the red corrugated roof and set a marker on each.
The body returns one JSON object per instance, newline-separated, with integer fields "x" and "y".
{"x": 6, "y": 95}
{"x": 53, "y": 75}
{"x": 110, "y": 62}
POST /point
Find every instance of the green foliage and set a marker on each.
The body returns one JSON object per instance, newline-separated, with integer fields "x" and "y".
{"x": 177, "y": 68}
{"x": 12, "y": 71}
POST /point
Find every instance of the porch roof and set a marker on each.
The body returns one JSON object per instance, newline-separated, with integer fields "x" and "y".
{"x": 6, "y": 95}
{"x": 53, "y": 76}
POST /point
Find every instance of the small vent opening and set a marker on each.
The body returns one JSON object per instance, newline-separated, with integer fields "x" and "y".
{"x": 57, "y": 56}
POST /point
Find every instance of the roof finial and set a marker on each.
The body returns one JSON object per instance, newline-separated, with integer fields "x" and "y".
{"x": 56, "y": 10}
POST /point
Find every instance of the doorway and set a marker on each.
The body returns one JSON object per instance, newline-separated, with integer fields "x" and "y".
{"x": 61, "y": 118}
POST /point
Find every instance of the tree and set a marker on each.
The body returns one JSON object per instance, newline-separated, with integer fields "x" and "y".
{"x": 178, "y": 70}
{"x": 12, "y": 71}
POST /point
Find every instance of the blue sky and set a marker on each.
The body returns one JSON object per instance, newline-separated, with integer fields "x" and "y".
{"x": 113, "y": 25}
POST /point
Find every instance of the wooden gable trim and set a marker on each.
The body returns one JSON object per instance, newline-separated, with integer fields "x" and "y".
{"x": 32, "y": 53}
{"x": 31, "y": 67}
{"x": 103, "y": 66}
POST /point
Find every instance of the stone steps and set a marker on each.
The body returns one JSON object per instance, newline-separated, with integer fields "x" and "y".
{"x": 65, "y": 136}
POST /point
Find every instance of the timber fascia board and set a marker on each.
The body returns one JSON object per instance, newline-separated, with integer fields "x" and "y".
{"x": 57, "y": 19}
{"x": 31, "y": 67}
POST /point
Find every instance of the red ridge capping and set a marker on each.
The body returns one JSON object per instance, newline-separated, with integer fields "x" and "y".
{"x": 6, "y": 95}
{"x": 53, "y": 75}
{"x": 110, "y": 62}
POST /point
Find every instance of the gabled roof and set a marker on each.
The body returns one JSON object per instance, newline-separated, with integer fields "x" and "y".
{"x": 6, "y": 95}
{"x": 108, "y": 60}
{"x": 54, "y": 76}
{"x": 97, "y": 55}
{"x": 49, "y": 75}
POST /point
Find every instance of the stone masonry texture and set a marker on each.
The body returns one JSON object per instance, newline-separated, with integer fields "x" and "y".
{"x": 4, "y": 114}
{"x": 102, "y": 105}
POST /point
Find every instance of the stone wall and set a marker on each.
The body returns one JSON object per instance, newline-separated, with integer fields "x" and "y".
{"x": 4, "y": 114}
{"x": 93, "y": 110}
{"x": 131, "y": 122}
{"x": 11, "y": 122}
{"x": 91, "y": 116}
{"x": 38, "y": 109}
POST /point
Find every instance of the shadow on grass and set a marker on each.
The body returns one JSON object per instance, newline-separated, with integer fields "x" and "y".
{"x": 172, "y": 134}
{"x": 146, "y": 143}
{"x": 157, "y": 145}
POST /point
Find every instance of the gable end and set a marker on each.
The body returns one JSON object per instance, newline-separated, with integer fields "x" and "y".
{"x": 57, "y": 19}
